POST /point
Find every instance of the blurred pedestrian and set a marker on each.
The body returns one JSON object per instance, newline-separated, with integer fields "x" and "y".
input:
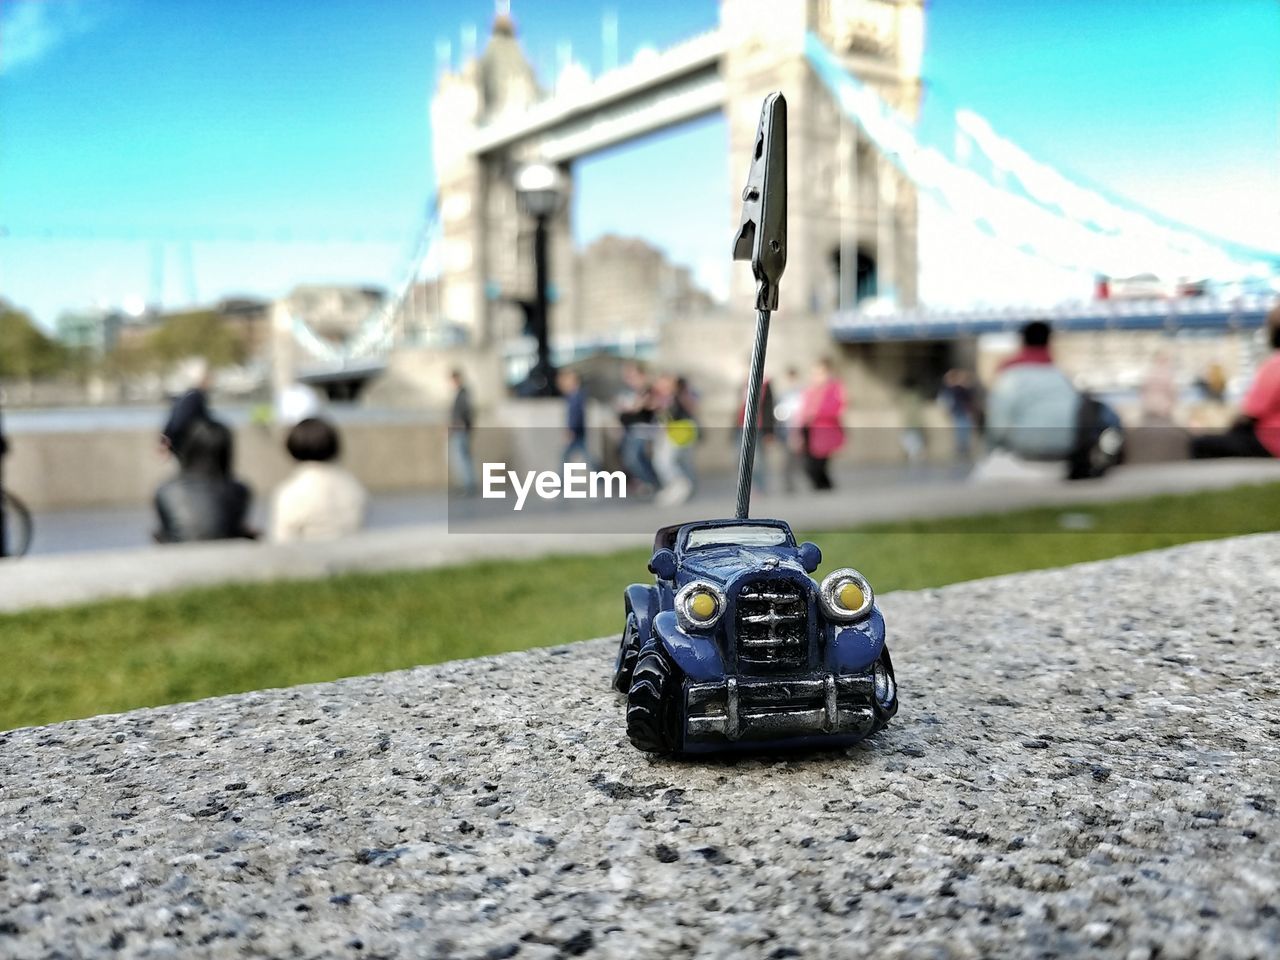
{"x": 1159, "y": 437}
{"x": 912, "y": 438}
{"x": 959, "y": 399}
{"x": 821, "y": 433}
{"x": 1213, "y": 383}
{"x": 683, "y": 427}
{"x": 190, "y": 408}
{"x": 636, "y": 413}
{"x": 204, "y": 501}
{"x": 766, "y": 428}
{"x": 1256, "y": 431}
{"x": 320, "y": 500}
{"x": 575, "y": 401}
{"x": 461, "y": 422}
{"x": 786, "y": 414}
{"x": 1159, "y": 393}
{"x": 676, "y": 407}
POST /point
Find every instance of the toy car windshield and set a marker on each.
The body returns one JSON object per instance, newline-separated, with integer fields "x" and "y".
{"x": 746, "y": 535}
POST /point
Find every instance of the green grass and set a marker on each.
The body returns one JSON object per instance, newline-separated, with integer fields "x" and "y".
{"x": 118, "y": 655}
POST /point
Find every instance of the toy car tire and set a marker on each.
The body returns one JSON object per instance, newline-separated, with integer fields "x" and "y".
{"x": 628, "y": 654}
{"x": 651, "y": 706}
{"x": 883, "y": 716}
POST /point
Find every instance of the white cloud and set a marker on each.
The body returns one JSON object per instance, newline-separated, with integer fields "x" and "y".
{"x": 713, "y": 275}
{"x": 961, "y": 267}
{"x": 30, "y": 29}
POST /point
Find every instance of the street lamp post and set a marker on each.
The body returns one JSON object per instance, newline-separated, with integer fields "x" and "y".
{"x": 540, "y": 192}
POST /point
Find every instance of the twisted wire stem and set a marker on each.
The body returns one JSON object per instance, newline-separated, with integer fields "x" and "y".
{"x": 751, "y": 416}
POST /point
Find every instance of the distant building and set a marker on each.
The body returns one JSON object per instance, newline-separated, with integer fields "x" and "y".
{"x": 249, "y": 318}
{"x": 334, "y": 311}
{"x": 99, "y": 331}
{"x": 626, "y": 285}
{"x": 94, "y": 331}
{"x": 419, "y": 319}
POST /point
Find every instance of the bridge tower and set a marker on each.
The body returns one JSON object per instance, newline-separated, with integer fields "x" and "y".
{"x": 486, "y": 244}
{"x": 847, "y": 204}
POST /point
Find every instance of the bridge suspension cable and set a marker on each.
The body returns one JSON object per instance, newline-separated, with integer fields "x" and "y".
{"x": 1109, "y": 216}
{"x": 377, "y": 333}
{"x": 1047, "y": 216}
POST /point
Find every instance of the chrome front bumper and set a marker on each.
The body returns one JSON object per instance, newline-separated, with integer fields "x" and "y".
{"x": 768, "y": 709}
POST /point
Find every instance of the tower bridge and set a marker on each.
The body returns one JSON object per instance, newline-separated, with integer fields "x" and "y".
{"x": 851, "y": 71}
{"x": 489, "y": 117}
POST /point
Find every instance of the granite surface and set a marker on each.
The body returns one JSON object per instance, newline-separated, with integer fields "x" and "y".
{"x": 1086, "y": 763}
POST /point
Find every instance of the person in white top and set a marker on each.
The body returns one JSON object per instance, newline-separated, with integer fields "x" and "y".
{"x": 320, "y": 500}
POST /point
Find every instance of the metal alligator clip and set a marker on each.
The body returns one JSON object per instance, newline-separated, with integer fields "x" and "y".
{"x": 762, "y": 235}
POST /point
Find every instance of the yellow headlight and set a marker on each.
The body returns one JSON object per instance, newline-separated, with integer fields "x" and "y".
{"x": 845, "y": 595}
{"x": 702, "y": 606}
{"x": 850, "y": 596}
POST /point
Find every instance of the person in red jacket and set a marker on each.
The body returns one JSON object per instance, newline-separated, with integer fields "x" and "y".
{"x": 820, "y": 435}
{"x": 1256, "y": 432}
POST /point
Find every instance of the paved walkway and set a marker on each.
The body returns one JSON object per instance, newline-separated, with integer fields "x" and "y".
{"x": 1065, "y": 779}
{"x": 123, "y": 528}
{"x": 399, "y": 543}
{"x": 120, "y": 528}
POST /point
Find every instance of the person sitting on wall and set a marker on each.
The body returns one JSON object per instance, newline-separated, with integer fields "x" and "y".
{"x": 320, "y": 500}
{"x": 203, "y": 502}
{"x": 1035, "y": 413}
{"x": 1032, "y": 409}
{"x": 1256, "y": 432}
{"x": 188, "y": 409}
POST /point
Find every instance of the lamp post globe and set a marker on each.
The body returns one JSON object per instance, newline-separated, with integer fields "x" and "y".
{"x": 539, "y": 189}
{"x": 539, "y": 192}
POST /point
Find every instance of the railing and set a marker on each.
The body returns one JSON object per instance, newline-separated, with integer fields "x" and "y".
{"x": 1185, "y": 313}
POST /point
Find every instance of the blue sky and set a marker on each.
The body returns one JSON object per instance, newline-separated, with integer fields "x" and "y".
{"x": 242, "y": 145}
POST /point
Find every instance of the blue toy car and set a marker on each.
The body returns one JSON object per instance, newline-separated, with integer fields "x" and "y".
{"x": 735, "y": 646}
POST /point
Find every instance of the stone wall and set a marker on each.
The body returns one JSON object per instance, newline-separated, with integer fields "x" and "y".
{"x": 1091, "y": 779}
{"x": 122, "y": 467}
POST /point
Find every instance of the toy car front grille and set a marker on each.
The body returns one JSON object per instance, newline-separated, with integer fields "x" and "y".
{"x": 772, "y": 624}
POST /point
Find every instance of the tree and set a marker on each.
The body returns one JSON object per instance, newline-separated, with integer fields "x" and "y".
{"x": 198, "y": 333}
{"x": 26, "y": 351}
{"x": 129, "y": 358}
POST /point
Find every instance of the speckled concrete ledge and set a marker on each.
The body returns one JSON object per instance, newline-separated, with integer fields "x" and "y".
{"x": 1086, "y": 764}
